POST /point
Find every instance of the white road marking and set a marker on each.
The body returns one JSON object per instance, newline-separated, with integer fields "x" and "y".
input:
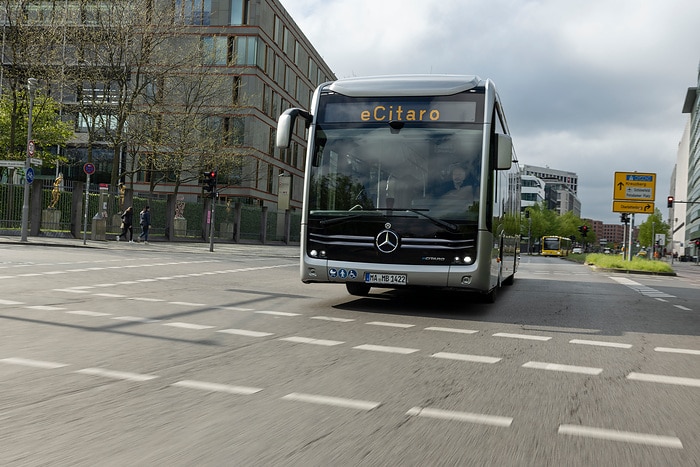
{"x": 188, "y": 326}
{"x": 672, "y": 350}
{"x": 565, "y": 368}
{"x": 391, "y": 325}
{"x": 460, "y": 416}
{"x": 33, "y": 363}
{"x": 676, "y": 380}
{"x": 45, "y": 308}
{"x": 10, "y": 302}
{"x": 683, "y": 307}
{"x": 215, "y": 387}
{"x": 334, "y": 401}
{"x": 457, "y": 330}
{"x": 382, "y": 348}
{"x": 70, "y": 290}
{"x": 308, "y": 340}
{"x": 337, "y": 320}
{"x": 277, "y": 313}
{"x": 116, "y": 374}
{"x": 625, "y": 436}
{"x": 243, "y": 332}
{"x": 142, "y": 299}
{"x": 521, "y": 336}
{"x": 187, "y": 304}
{"x": 466, "y": 358}
{"x": 600, "y": 343}
{"x": 109, "y": 295}
{"x": 233, "y": 308}
{"x": 88, "y": 313}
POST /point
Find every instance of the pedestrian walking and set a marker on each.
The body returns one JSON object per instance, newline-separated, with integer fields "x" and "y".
{"x": 127, "y": 225}
{"x": 145, "y": 222}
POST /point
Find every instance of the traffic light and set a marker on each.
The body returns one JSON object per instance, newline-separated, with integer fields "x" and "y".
{"x": 624, "y": 218}
{"x": 670, "y": 201}
{"x": 584, "y": 230}
{"x": 210, "y": 182}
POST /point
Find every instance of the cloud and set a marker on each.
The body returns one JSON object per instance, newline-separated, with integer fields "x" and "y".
{"x": 589, "y": 87}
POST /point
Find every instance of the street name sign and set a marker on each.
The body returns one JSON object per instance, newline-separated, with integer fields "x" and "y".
{"x": 638, "y": 207}
{"x": 634, "y": 186}
{"x": 11, "y": 163}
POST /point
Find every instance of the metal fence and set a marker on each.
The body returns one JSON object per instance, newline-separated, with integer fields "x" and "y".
{"x": 57, "y": 211}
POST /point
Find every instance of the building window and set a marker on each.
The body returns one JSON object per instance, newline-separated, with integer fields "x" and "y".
{"x": 247, "y": 50}
{"x": 236, "y": 90}
{"x": 193, "y": 12}
{"x": 239, "y": 12}
{"x": 215, "y": 50}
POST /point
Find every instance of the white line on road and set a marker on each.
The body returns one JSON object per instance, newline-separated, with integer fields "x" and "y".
{"x": 116, "y": 374}
{"x": 382, "y": 348}
{"x": 456, "y": 330}
{"x": 45, "y": 308}
{"x": 672, "y": 350}
{"x": 88, "y": 313}
{"x": 683, "y": 307}
{"x": 460, "y": 416}
{"x": 109, "y": 295}
{"x": 391, "y": 325}
{"x": 337, "y": 320}
{"x": 215, "y": 387}
{"x": 9, "y": 302}
{"x": 522, "y": 336}
{"x": 676, "y": 380}
{"x": 187, "y": 304}
{"x": 141, "y": 299}
{"x": 277, "y": 313}
{"x": 188, "y": 325}
{"x": 243, "y": 332}
{"x": 33, "y": 363}
{"x": 625, "y": 436}
{"x": 70, "y": 290}
{"x": 466, "y": 358}
{"x": 565, "y": 368}
{"x": 335, "y": 401}
{"x": 308, "y": 340}
{"x": 600, "y": 343}
{"x": 233, "y": 308}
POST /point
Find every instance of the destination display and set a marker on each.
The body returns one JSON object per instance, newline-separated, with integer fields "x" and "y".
{"x": 424, "y": 111}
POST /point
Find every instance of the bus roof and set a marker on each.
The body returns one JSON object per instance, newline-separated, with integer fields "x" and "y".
{"x": 404, "y": 85}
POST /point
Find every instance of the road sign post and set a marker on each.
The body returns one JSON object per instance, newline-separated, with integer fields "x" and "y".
{"x": 89, "y": 169}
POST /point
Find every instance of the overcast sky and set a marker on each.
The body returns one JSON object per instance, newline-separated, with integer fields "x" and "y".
{"x": 593, "y": 87}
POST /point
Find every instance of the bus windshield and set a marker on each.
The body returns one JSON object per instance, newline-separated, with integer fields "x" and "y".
{"x": 434, "y": 170}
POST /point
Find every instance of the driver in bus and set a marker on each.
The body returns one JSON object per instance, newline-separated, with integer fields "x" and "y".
{"x": 460, "y": 190}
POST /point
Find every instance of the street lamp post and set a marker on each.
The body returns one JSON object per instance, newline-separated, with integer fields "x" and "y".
{"x": 31, "y": 86}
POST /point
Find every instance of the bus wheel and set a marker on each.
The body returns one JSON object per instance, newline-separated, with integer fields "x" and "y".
{"x": 491, "y": 296}
{"x": 357, "y": 288}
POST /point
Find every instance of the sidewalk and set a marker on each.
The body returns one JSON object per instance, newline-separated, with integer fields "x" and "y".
{"x": 245, "y": 249}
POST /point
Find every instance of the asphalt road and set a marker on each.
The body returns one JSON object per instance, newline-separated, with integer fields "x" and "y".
{"x": 174, "y": 355}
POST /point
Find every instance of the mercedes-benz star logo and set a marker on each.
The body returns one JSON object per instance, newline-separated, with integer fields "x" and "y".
{"x": 387, "y": 241}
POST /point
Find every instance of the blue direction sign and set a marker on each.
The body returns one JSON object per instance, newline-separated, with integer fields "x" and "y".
{"x": 30, "y": 175}
{"x": 89, "y": 168}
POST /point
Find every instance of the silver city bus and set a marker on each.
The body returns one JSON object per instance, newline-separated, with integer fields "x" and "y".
{"x": 409, "y": 181}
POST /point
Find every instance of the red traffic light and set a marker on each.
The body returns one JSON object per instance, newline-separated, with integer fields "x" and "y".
{"x": 670, "y": 202}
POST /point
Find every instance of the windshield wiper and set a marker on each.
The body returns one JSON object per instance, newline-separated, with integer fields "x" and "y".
{"x": 439, "y": 222}
{"x": 339, "y": 220}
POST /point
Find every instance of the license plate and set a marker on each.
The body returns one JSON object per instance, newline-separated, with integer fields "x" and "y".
{"x": 379, "y": 278}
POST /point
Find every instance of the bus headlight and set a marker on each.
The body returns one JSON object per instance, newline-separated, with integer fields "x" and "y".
{"x": 463, "y": 260}
{"x": 313, "y": 253}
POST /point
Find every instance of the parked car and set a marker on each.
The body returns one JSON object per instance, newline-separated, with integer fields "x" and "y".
{"x": 577, "y": 250}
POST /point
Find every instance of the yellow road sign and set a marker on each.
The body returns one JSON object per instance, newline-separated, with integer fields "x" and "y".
{"x": 634, "y": 207}
{"x": 634, "y": 186}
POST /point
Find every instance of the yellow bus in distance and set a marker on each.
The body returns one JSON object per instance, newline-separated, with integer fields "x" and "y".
{"x": 555, "y": 246}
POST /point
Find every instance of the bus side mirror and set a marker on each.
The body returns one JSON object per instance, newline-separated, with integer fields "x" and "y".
{"x": 285, "y": 125}
{"x": 504, "y": 152}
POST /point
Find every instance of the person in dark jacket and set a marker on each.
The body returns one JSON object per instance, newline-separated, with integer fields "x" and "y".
{"x": 145, "y": 222}
{"x": 127, "y": 225}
